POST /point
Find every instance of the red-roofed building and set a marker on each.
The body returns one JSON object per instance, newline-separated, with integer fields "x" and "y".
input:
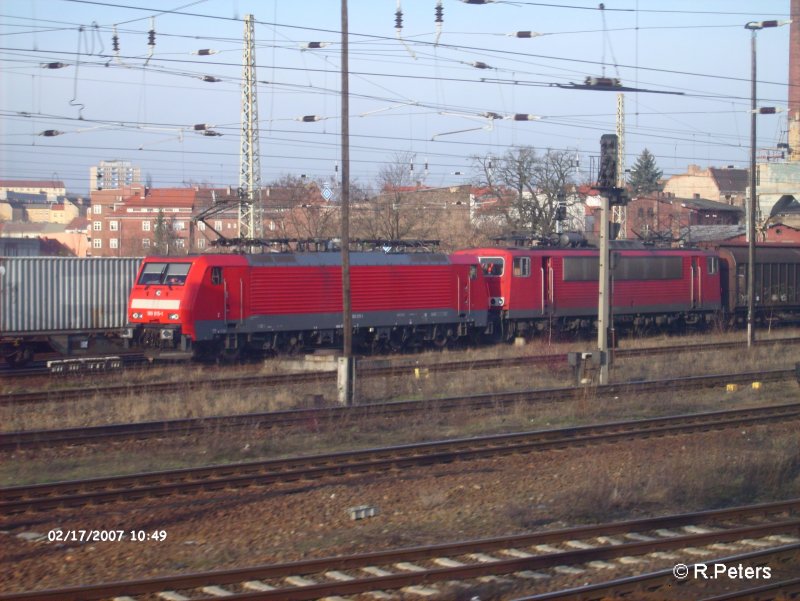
{"x": 125, "y": 221}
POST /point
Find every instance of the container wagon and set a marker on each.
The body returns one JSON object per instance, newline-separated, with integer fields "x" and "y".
{"x": 70, "y": 305}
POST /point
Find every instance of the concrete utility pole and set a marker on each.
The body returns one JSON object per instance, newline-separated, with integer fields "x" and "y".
{"x": 250, "y": 210}
{"x": 604, "y": 300}
{"x": 611, "y": 194}
{"x": 752, "y": 205}
{"x": 347, "y": 366}
{"x": 621, "y": 211}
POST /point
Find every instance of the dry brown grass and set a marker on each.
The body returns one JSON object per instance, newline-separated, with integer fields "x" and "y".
{"x": 723, "y": 469}
{"x": 321, "y": 437}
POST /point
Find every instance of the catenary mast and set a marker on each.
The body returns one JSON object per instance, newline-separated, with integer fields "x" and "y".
{"x": 250, "y": 210}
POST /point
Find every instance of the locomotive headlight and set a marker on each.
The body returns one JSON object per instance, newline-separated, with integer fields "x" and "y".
{"x": 136, "y": 315}
{"x": 173, "y": 316}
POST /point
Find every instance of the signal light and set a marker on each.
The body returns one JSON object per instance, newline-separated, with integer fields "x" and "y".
{"x": 609, "y": 148}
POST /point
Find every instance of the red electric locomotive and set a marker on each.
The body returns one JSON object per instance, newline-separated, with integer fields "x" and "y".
{"x": 238, "y": 305}
{"x": 533, "y": 289}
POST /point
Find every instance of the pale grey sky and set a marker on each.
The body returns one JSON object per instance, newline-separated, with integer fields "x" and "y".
{"x": 409, "y": 94}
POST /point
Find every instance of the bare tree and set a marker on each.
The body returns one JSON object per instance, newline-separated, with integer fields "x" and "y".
{"x": 527, "y": 186}
{"x": 395, "y": 213}
{"x": 297, "y": 208}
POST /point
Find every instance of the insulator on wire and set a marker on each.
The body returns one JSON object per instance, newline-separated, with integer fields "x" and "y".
{"x": 526, "y": 117}
{"x": 315, "y": 45}
{"x": 309, "y": 118}
{"x": 151, "y": 37}
{"x": 398, "y": 19}
{"x": 480, "y": 65}
{"x": 439, "y": 20}
{"x": 202, "y": 126}
{"x": 53, "y": 65}
{"x": 49, "y": 133}
{"x": 492, "y": 115}
{"x": 478, "y": 1}
{"x": 211, "y": 132}
{"x": 205, "y": 52}
{"x": 524, "y": 34}
{"x": 211, "y": 78}
{"x": 115, "y": 43}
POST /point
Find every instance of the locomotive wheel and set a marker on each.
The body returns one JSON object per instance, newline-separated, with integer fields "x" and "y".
{"x": 397, "y": 341}
{"x": 19, "y": 357}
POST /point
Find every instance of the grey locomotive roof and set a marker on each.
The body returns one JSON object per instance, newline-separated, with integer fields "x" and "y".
{"x": 356, "y": 258}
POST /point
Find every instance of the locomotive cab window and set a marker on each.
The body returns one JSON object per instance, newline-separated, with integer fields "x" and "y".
{"x": 216, "y": 275}
{"x": 492, "y": 266}
{"x": 522, "y": 267}
{"x": 171, "y": 274}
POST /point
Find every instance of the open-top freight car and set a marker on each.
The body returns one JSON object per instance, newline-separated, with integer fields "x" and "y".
{"x": 232, "y": 305}
{"x": 71, "y": 305}
{"x": 556, "y": 289}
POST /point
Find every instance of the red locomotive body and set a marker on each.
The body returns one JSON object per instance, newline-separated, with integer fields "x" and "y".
{"x": 249, "y": 304}
{"x": 532, "y": 288}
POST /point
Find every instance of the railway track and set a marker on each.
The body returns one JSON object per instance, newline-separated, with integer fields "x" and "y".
{"x": 303, "y": 417}
{"x": 79, "y": 493}
{"x": 369, "y": 368}
{"x": 664, "y": 586}
{"x": 518, "y": 562}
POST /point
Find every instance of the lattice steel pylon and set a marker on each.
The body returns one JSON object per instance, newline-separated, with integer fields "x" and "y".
{"x": 620, "y": 212}
{"x": 250, "y": 210}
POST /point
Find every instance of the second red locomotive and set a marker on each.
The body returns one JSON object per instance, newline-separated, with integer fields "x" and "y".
{"x": 544, "y": 288}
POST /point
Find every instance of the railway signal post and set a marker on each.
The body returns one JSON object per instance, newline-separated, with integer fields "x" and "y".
{"x": 611, "y": 195}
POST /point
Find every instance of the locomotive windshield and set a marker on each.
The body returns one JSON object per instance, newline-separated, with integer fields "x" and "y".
{"x": 492, "y": 266}
{"x": 171, "y": 274}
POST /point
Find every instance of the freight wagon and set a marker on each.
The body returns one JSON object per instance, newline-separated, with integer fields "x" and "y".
{"x": 776, "y": 285}
{"x": 70, "y": 305}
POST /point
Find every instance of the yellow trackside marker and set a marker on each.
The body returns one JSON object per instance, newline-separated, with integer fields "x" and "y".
{"x": 732, "y": 387}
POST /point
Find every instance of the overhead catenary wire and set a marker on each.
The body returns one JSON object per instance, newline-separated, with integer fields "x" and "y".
{"x": 168, "y": 68}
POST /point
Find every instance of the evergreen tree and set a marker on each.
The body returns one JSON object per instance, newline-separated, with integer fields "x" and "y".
{"x": 645, "y": 175}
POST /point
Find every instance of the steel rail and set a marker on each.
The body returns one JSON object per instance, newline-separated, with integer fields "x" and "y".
{"x": 302, "y": 417}
{"x": 774, "y": 591}
{"x": 275, "y": 471}
{"x": 376, "y": 369}
{"x": 466, "y": 567}
{"x": 665, "y": 580}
